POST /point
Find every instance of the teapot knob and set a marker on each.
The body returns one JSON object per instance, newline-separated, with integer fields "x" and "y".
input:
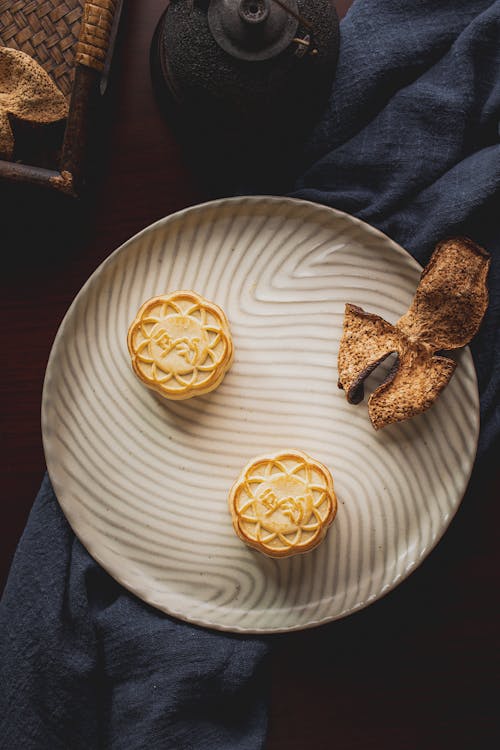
{"x": 253, "y": 29}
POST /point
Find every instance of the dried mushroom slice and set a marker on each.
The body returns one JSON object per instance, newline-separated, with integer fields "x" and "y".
{"x": 26, "y": 92}
{"x": 411, "y": 388}
{"x": 367, "y": 340}
{"x": 446, "y": 312}
{"x": 452, "y": 296}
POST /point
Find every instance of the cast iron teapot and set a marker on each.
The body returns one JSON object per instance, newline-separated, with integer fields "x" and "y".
{"x": 247, "y": 72}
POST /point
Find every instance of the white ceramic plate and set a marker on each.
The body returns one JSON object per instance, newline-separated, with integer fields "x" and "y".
{"x": 144, "y": 484}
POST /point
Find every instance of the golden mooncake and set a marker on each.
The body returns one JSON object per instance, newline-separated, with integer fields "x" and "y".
{"x": 180, "y": 345}
{"x": 283, "y": 504}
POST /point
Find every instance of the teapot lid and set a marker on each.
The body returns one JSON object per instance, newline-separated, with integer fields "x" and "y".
{"x": 253, "y": 29}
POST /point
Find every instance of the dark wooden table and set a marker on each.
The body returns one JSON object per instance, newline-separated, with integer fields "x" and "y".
{"x": 419, "y": 669}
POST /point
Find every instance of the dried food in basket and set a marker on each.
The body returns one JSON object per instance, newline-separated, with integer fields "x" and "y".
{"x": 27, "y": 95}
{"x": 72, "y": 41}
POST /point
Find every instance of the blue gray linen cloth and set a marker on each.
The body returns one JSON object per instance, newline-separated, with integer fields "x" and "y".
{"x": 411, "y": 144}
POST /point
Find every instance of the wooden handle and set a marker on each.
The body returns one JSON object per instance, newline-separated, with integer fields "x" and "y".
{"x": 95, "y": 33}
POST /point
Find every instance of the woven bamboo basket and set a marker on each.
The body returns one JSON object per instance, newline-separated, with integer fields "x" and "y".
{"x": 73, "y": 41}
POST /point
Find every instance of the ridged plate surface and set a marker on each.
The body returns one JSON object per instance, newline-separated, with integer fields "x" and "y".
{"x": 144, "y": 484}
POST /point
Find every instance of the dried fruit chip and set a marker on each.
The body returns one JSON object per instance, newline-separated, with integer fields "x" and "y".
{"x": 26, "y": 92}
{"x": 366, "y": 341}
{"x": 411, "y": 388}
{"x": 446, "y": 312}
{"x": 452, "y": 296}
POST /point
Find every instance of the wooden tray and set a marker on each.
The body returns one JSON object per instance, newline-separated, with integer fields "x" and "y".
{"x": 73, "y": 41}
